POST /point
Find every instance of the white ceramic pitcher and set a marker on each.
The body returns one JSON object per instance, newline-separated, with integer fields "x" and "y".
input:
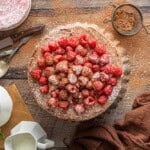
{"x": 28, "y": 135}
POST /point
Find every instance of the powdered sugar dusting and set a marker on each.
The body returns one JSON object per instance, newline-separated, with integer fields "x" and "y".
{"x": 13, "y": 12}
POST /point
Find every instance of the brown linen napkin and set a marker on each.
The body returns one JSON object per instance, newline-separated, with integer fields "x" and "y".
{"x": 132, "y": 133}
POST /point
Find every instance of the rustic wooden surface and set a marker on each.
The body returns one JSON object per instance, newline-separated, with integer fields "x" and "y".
{"x": 56, "y": 12}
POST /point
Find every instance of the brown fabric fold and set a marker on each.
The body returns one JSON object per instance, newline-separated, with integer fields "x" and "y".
{"x": 131, "y": 133}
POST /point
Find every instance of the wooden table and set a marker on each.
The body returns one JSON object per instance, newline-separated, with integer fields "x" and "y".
{"x": 56, "y": 12}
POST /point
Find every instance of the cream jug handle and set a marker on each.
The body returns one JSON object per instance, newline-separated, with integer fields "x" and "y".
{"x": 47, "y": 144}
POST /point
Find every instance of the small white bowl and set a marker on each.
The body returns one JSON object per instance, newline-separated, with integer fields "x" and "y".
{"x": 6, "y": 106}
{"x": 12, "y": 25}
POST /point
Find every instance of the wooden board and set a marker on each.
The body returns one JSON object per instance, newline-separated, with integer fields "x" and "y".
{"x": 20, "y": 112}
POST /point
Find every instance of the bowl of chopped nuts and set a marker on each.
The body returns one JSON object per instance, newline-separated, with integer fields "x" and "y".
{"x": 127, "y": 19}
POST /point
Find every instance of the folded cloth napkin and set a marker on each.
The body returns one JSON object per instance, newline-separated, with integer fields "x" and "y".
{"x": 132, "y": 133}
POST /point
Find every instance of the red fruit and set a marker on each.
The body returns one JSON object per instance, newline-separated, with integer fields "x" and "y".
{"x": 95, "y": 68}
{"x": 92, "y": 93}
{"x": 108, "y": 90}
{"x": 49, "y": 59}
{"x": 43, "y": 81}
{"x": 73, "y": 41}
{"x": 89, "y": 101}
{"x": 41, "y": 62}
{"x": 36, "y": 74}
{"x": 69, "y": 48}
{"x": 44, "y": 89}
{"x": 46, "y": 54}
{"x": 60, "y": 51}
{"x": 81, "y": 50}
{"x": 49, "y": 71}
{"x": 112, "y": 81}
{"x": 79, "y": 60}
{"x": 89, "y": 65}
{"x": 79, "y": 108}
{"x": 94, "y": 58}
{"x": 45, "y": 49}
{"x": 52, "y": 46}
{"x": 100, "y": 49}
{"x": 64, "y": 104}
{"x": 58, "y": 58}
{"x": 52, "y": 102}
{"x": 104, "y": 59}
{"x": 63, "y": 42}
{"x": 71, "y": 55}
{"x": 102, "y": 100}
{"x": 54, "y": 94}
{"x": 83, "y": 40}
{"x": 86, "y": 71}
{"x": 85, "y": 93}
{"x": 106, "y": 69}
{"x": 97, "y": 85}
{"x": 104, "y": 77}
{"x": 92, "y": 43}
{"x": 62, "y": 66}
{"x": 116, "y": 71}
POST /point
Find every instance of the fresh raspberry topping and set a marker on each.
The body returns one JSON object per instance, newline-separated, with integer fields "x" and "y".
{"x": 71, "y": 55}
{"x": 44, "y": 89}
{"x": 60, "y": 51}
{"x": 102, "y": 100}
{"x": 48, "y": 71}
{"x": 45, "y": 49}
{"x": 41, "y": 62}
{"x": 53, "y": 46}
{"x": 36, "y": 74}
{"x": 63, "y": 42}
{"x": 95, "y": 68}
{"x": 112, "y": 81}
{"x": 73, "y": 41}
{"x": 116, "y": 71}
{"x": 52, "y": 102}
{"x": 100, "y": 49}
{"x": 108, "y": 90}
{"x": 43, "y": 81}
{"x": 85, "y": 93}
{"x": 63, "y": 104}
{"x": 81, "y": 50}
{"x": 92, "y": 43}
{"x": 104, "y": 59}
{"x": 94, "y": 58}
{"x": 98, "y": 85}
{"x": 79, "y": 108}
{"x": 89, "y": 101}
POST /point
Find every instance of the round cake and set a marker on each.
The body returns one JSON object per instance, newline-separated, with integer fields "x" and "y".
{"x": 13, "y": 13}
{"x": 77, "y": 71}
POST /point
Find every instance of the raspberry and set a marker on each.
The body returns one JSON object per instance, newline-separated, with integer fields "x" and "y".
{"x": 63, "y": 95}
{"x": 64, "y": 105}
{"x": 77, "y": 69}
{"x": 89, "y": 65}
{"x": 52, "y": 102}
{"x": 96, "y": 76}
{"x": 36, "y": 74}
{"x": 49, "y": 60}
{"x": 100, "y": 49}
{"x": 83, "y": 81}
{"x": 60, "y": 51}
{"x": 102, "y": 100}
{"x": 83, "y": 40}
{"x": 108, "y": 90}
{"x": 79, "y": 108}
{"x": 52, "y": 46}
{"x": 92, "y": 43}
{"x": 72, "y": 78}
{"x": 41, "y": 62}
{"x": 92, "y": 93}
{"x": 46, "y": 54}
{"x": 112, "y": 81}
{"x": 94, "y": 58}
{"x": 58, "y": 58}
{"x": 89, "y": 101}
{"x": 89, "y": 85}
{"x": 71, "y": 55}
{"x": 95, "y": 68}
{"x": 62, "y": 66}
{"x": 43, "y": 81}
{"x": 69, "y": 48}
{"x": 63, "y": 82}
{"x": 45, "y": 49}
{"x": 97, "y": 85}
{"x": 85, "y": 93}
{"x": 104, "y": 77}
{"x": 72, "y": 88}
{"x": 104, "y": 59}
{"x": 53, "y": 79}
{"x": 81, "y": 50}
{"x": 79, "y": 60}
{"x": 87, "y": 71}
{"x": 116, "y": 71}
{"x": 106, "y": 69}
{"x": 44, "y": 89}
{"x": 63, "y": 42}
{"x": 49, "y": 71}
{"x": 54, "y": 93}
{"x": 73, "y": 41}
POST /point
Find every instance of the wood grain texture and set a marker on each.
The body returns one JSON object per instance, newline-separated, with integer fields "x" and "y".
{"x": 53, "y": 13}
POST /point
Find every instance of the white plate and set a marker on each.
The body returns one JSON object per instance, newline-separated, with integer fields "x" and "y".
{"x": 6, "y": 106}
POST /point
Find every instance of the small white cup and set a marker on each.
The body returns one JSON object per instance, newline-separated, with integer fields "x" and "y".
{"x": 27, "y": 135}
